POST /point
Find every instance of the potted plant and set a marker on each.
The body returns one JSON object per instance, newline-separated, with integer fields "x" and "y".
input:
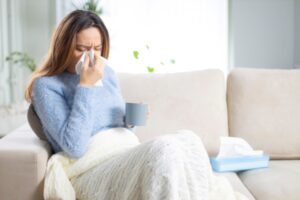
{"x": 90, "y": 5}
{"x": 23, "y": 58}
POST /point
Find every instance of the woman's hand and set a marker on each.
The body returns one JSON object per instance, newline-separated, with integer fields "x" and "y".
{"x": 91, "y": 74}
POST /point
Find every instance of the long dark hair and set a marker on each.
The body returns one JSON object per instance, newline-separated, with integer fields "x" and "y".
{"x": 63, "y": 43}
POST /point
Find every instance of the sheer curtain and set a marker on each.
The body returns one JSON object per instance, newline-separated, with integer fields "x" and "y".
{"x": 169, "y": 35}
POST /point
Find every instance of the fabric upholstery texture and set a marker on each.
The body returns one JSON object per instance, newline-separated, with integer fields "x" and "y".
{"x": 280, "y": 181}
{"x": 264, "y": 109}
{"x": 236, "y": 183}
{"x": 23, "y": 159}
{"x": 187, "y": 100}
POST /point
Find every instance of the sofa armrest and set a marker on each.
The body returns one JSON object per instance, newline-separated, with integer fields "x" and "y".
{"x": 23, "y": 160}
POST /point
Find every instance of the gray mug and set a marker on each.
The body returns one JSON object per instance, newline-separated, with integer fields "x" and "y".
{"x": 136, "y": 114}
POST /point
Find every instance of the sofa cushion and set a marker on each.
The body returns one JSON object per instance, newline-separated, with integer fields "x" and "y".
{"x": 236, "y": 184}
{"x": 280, "y": 181}
{"x": 264, "y": 109}
{"x": 184, "y": 100}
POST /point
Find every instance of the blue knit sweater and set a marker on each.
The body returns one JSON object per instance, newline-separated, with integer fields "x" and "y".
{"x": 70, "y": 113}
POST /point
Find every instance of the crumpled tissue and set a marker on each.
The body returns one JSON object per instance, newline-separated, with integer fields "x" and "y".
{"x": 234, "y": 146}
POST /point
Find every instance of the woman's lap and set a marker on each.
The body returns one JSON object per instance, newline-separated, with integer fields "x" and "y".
{"x": 175, "y": 158}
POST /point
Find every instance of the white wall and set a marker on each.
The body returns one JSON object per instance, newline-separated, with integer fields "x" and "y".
{"x": 263, "y": 33}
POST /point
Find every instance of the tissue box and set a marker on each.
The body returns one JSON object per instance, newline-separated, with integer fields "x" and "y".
{"x": 239, "y": 163}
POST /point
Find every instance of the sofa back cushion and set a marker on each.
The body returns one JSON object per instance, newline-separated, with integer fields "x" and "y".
{"x": 264, "y": 109}
{"x": 184, "y": 100}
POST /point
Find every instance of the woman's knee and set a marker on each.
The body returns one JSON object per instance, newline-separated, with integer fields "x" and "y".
{"x": 165, "y": 145}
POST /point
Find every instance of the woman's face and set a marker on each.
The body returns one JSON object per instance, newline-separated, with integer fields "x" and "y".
{"x": 85, "y": 40}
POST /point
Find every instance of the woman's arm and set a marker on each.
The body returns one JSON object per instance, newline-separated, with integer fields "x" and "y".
{"x": 70, "y": 127}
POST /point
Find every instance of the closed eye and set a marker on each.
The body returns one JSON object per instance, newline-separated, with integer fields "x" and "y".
{"x": 80, "y": 49}
{"x": 98, "y": 48}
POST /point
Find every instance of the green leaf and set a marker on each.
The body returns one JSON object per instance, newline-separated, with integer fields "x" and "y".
{"x": 89, "y": 5}
{"x": 150, "y": 69}
{"x": 172, "y": 61}
{"x": 20, "y": 57}
{"x": 136, "y": 54}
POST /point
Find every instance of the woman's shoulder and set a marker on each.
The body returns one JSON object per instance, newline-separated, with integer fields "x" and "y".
{"x": 45, "y": 80}
{"x": 47, "y": 83}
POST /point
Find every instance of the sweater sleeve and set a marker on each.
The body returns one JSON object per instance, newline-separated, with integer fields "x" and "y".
{"x": 70, "y": 127}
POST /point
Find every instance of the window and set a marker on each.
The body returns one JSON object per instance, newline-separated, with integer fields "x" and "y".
{"x": 192, "y": 32}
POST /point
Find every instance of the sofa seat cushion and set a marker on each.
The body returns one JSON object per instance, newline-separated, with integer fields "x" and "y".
{"x": 185, "y": 100}
{"x": 236, "y": 184}
{"x": 281, "y": 180}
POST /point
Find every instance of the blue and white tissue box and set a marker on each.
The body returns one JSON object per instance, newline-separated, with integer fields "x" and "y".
{"x": 236, "y": 154}
{"x": 239, "y": 163}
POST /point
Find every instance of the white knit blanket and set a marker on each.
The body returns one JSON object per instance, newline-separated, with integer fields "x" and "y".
{"x": 118, "y": 167}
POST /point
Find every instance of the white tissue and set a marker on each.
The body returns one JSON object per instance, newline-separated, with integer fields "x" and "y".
{"x": 234, "y": 146}
{"x": 92, "y": 55}
{"x": 80, "y": 62}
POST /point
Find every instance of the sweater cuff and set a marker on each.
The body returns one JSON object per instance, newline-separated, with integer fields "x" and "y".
{"x": 84, "y": 98}
{"x": 85, "y": 92}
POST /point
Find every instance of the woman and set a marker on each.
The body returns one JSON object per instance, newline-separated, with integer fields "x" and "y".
{"x": 66, "y": 102}
{"x": 72, "y": 110}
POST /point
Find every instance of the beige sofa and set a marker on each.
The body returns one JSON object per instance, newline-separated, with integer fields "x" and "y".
{"x": 261, "y": 106}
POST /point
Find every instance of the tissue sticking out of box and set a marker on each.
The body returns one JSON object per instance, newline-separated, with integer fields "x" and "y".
{"x": 234, "y": 146}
